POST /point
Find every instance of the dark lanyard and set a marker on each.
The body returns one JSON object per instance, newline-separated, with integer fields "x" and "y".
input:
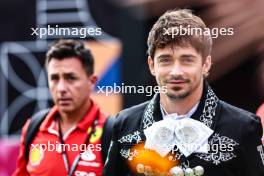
{"x": 71, "y": 170}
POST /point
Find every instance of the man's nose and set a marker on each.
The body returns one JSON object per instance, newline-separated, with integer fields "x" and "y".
{"x": 176, "y": 69}
{"x": 61, "y": 86}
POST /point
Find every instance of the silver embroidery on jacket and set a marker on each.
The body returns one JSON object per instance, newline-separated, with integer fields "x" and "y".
{"x": 219, "y": 156}
{"x": 125, "y": 152}
{"x": 261, "y": 152}
{"x": 209, "y": 108}
{"x": 148, "y": 119}
{"x": 128, "y": 154}
{"x": 130, "y": 137}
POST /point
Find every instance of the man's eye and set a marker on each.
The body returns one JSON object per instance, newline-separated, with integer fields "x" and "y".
{"x": 54, "y": 78}
{"x": 164, "y": 60}
{"x": 187, "y": 60}
{"x": 71, "y": 78}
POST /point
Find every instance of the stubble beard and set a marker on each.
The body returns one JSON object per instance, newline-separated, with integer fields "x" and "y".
{"x": 179, "y": 96}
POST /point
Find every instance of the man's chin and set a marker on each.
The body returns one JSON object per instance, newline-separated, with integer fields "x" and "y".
{"x": 177, "y": 95}
{"x": 65, "y": 109}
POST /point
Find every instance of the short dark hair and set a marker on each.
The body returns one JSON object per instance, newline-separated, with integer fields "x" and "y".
{"x": 174, "y": 19}
{"x": 63, "y": 49}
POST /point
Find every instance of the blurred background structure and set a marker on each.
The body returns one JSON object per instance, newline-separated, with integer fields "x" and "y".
{"x": 237, "y": 75}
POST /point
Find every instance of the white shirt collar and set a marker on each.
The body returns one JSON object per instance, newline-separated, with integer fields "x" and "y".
{"x": 175, "y": 115}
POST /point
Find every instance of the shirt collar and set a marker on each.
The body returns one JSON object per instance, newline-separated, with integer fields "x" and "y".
{"x": 49, "y": 124}
{"x": 175, "y": 115}
{"x": 89, "y": 118}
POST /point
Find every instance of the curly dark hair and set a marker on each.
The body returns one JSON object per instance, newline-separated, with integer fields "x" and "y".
{"x": 63, "y": 49}
{"x": 176, "y": 19}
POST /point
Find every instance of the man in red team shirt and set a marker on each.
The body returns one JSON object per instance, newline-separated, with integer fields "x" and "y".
{"x": 68, "y": 141}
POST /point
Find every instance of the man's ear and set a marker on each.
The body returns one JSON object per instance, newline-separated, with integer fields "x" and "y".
{"x": 151, "y": 65}
{"x": 207, "y": 65}
{"x": 93, "y": 79}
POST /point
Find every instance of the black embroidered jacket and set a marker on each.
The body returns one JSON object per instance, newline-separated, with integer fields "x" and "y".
{"x": 238, "y": 129}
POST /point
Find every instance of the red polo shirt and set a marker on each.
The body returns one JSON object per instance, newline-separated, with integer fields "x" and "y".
{"x": 45, "y": 156}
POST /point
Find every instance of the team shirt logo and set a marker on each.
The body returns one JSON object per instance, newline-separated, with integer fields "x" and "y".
{"x": 96, "y": 135}
{"x": 36, "y": 155}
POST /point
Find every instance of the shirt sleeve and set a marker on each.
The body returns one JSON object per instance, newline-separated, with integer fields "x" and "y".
{"x": 21, "y": 165}
{"x": 252, "y": 148}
